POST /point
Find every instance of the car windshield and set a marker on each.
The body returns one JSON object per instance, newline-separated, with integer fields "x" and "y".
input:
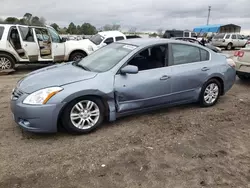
{"x": 219, "y": 36}
{"x": 106, "y": 57}
{"x": 96, "y": 39}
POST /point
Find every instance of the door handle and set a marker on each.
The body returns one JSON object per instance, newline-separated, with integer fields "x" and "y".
{"x": 164, "y": 77}
{"x": 205, "y": 69}
{"x": 26, "y": 45}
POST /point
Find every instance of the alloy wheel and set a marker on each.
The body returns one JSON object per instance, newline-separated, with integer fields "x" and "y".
{"x": 5, "y": 63}
{"x": 211, "y": 93}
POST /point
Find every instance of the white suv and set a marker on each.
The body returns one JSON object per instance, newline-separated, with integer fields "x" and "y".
{"x": 28, "y": 44}
{"x": 229, "y": 40}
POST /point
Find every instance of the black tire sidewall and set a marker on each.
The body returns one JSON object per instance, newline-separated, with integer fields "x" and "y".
{"x": 12, "y": 61}
{"x": 71, "y": 58}
{"x": 230, "y": 44}
{"x": 67, "y": 124}
{"x": 202, "y": 101}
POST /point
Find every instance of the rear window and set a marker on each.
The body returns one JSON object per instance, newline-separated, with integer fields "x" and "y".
{"x": 219, "y": 36}
{"x": 1, "y": 32}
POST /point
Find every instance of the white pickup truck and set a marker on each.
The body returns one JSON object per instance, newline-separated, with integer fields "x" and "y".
{"x": 32, "y": 44}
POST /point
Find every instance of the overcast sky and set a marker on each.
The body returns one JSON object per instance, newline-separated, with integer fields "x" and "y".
{"x": 145, "y": 15}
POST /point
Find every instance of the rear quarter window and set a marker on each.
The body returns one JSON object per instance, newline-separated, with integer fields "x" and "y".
{"x": 1, "y": 32}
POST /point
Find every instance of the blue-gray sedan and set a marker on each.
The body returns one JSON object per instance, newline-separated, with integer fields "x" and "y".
{"x": 119, "y": 79}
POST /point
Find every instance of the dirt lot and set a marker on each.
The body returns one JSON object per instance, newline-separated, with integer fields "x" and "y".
{"x": 185, "y": 146}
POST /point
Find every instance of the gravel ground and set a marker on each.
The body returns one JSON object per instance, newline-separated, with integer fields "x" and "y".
{"x": 180, "y": 147}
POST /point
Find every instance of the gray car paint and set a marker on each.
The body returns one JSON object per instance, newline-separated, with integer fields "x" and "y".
{"x": 121, "y": 94}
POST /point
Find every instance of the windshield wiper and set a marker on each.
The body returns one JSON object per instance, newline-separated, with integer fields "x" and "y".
{"x": 81, "y": 66}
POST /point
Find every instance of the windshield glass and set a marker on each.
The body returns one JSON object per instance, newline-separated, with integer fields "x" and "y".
{"x": 219, "y": 36}
{"x": 96, "y": 39}
{"x": 106, "y": 57}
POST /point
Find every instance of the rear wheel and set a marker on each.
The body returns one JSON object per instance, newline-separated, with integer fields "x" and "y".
{"x": 229, "y": 46}
{"x": 6, "y": 62}
{"x": 83, "y": 115}
{"x": 210, "y": 93}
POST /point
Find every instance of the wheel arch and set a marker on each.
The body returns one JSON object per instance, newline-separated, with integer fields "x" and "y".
{"x": 10, "y": 54}
{"x": 217, "y": 77}
{"x": 102, "y": 98}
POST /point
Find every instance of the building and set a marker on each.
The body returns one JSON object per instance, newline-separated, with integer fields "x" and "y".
{"x": 218, "y": 28}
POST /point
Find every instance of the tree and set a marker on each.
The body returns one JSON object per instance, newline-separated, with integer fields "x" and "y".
{"x": 72, "y": 28}
{"x": 42, "y": 20}
{"x": 109, "y": 27}
{"x": 132, "y": 30}
{"x": 11, "y": 20}
{"x": 88, "y": 29}
{"x": 160, "y": 31}
{"x": 35, "y": 21}
{"x": 55, "y": 26}
{"x": 27, "y": 17}
{"x": 78, "y": 30}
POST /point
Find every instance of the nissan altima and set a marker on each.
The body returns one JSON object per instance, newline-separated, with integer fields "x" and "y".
{"x": 122, "y": 78}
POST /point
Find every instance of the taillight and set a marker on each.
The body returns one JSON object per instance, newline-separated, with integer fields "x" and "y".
{"x": 248, "y": 42}
{"x": 239, "y": 53}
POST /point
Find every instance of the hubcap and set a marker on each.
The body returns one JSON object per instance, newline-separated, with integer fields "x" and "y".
{"x": 85, "y": 114}
{"x": 4, "y": 63}
{"x": 211, "y": 93}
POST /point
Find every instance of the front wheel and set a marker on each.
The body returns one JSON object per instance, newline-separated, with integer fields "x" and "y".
{"x": 210, "y": 93}
{"x": 77, "y": 56}
{"x": 83, "y": 115}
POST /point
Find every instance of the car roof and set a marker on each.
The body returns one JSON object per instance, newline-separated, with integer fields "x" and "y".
{"x": 143, "y": 42}
{"x": 111, "y": 33}
{"x": 10, "y": 25}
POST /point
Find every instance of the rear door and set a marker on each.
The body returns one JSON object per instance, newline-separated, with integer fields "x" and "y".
{"x": 28, "y": 43}
{"x": 189, "y": 68}
{"x": 235, "y": 41}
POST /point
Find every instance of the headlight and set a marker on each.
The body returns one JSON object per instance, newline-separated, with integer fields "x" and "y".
{"x": 42, "y": 96}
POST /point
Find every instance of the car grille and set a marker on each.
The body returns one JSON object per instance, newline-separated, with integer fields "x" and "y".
{"x": 16, "y": 94}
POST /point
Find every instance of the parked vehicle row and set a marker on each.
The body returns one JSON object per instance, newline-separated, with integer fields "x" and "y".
{"x": 120, "y": 79}
{"x": 229, "y": 40}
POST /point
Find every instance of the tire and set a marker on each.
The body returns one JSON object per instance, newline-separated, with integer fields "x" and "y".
{"x": 243, "y": 77}
{"x": 229, "y": 46}
{"x": 76, "y": 56}
{"x": 208, "y": 85}
{"x": 70, "y": 124}
{"x": 6, "y": 62}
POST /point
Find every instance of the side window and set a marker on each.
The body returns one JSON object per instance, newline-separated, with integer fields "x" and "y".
{"x": 233, "y": 36}
{"x": 186, "y": 34}
{"x": 183, "y": 54}
{"x": 227, "y": 37}
{"x": 1, "y": 32}
{"x": 27, "y": 34}
{"x": 204, "y": 55}
{"x": 119, "y": 38}
{"x": 54, "y": 36}
{"x": 42, "y": 35}
{"x": 109, "y": 40}
{"x": 150, "y": 58}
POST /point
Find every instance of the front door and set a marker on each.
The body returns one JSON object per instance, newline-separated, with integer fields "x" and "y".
{"x": 28, "y": 43}
{"x": 150, "y": 87}
{"x": 190, "y": 68}
{"x": 58, "y": 46}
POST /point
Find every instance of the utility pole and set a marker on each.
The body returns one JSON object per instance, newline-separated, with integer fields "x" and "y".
{"x": 208, "y": 16}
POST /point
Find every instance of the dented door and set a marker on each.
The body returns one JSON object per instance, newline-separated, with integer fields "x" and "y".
{"x": 147, "y": 88}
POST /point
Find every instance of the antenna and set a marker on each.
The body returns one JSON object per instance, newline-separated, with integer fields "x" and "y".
{"x": 208, "y": 16}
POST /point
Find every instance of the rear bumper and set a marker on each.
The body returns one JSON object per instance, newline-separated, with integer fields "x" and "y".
{"x": 40, "y": 118}
{"x": 242, "y": 67}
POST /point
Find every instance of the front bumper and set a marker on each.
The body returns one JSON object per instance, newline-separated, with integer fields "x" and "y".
{"x": 32, "y": 118}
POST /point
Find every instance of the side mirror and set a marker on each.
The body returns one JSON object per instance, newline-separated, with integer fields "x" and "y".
{"x": 64, "y": 39}
{"x": 129, "y": 69}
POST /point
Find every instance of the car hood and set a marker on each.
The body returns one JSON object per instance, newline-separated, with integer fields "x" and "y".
{"x": 57, "y": 75}
{"x": 82, "y": 43}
